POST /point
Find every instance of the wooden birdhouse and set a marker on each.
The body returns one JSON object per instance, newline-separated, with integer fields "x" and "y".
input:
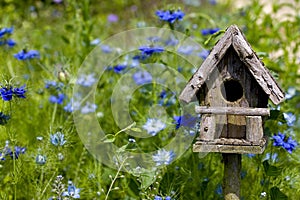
{"x": 232, "y": 87}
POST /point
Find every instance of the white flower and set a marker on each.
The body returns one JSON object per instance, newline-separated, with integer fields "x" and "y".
{"x": 153, "y": 126}
{"x": 163, "y": 157}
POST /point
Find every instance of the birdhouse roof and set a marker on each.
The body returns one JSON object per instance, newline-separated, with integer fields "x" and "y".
{"x": 233, "y": 37}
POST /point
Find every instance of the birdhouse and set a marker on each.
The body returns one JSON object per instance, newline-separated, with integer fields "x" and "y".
{"x": 232, "y": 87}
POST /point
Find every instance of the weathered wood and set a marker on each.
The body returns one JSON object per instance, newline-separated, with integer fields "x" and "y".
{"x": 254, "y": 129}
{"x": 200, "y": 76}
{"x": 214, "y": 148}
{"x": 261, "y": 74}
{"x": 207, "y": 127}
{"x": 232, "y": 111}
{"x": 233, "y": 38}
{"x": 232, "y": 177}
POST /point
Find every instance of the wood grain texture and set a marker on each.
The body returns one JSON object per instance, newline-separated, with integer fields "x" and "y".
{"x": 232, "y": 111}
{"x": 233, "y": 38}
{"x": 254, "y": 129}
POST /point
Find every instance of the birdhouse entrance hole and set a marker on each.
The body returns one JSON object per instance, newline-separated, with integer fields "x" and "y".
{"x": 232, "y": 90}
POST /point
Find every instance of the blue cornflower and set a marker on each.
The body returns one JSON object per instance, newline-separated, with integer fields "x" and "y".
{"x": 26, "y": 55}
{"x": 6, "y": 93}
{"x": 153, "y": 126}
{"x": 86, "y": 80}
{"x": 4, "y": 31}
{"x": 142, "y": 77}
{"x": 186, "y": 50}
{"x": 157, "y": 197}
{"x": 119, "y": 68}
{"x": 57, "y": 99}
{"x": 219, "y": 190}
{"x": 185, "y": 120}
{"x": 57, "y": 139}
{"x": 281, "y": 140}
{"x": 17, "y": 152}
{"x": 291, "y": 92}
{"x": 10, "y": 42}
{"x": 163, "y": 94}
{"x": 106, "y": 49}
{"x": 19, "y": 92}
{"x": 72, "y": 106}
{"x": 88, "y": 108}
{"x": 203, "y": 54}
{"x": 290, "y": 118}
{"x": 163, "y": 157}
{"x": 213, "y": 2}
{"x": 72, "y": 191}
{"x": 40, "y": 159}
{"x": 54, "y": 85}
{"x": 209, "y": 31}
{"x": 168, "y": 198}
{"x": 3, "y": 118}
{"x": 170, "y": 16}
{"x": 149, "y": 50}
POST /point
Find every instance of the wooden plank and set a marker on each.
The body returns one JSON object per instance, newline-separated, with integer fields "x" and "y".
{"x": 210, "y": 148}
{"x": 207, "y": 128}
{"x": 200, "y": 76}
{"x": 256, "y": 67}
{"x": 254, "y": 129}
{"x": 232, "y": 111}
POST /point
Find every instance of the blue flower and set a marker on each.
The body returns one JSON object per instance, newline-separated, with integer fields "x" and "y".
{"x": 119, "y": 68}
{"x": 153, "y": 126}
{"x": 19, "y": 92}
{"x": 203, "y": 54}
{"x": 4, "y": 31}
{"x": 168, "y": 198}
{"x": 57, "y": 99}
{"x": 170, "y": 16}
{"x": 209, "y": 31}
{"x": 106, "y": 49}
{"x": 219, "y": 190}
{"x": 185, "y": 120}
{"x": 86, "y": 80}
{"x": 163, "y": 157}
{"x": 88, "y": 108}
{"x": 3, "y": 118}
{"x": 157, "y": 197}
{"x": 10, "y": 42}
{"x": 142, "y": 77}
{"x": 213, "y": 2}
{"x": 291, "y": 92}
{"x": 72, "y": 191}
{"x": 40, "y": 159}
{"x": 26, "y": 55}
{"x": 6, "y": 93}
{"x": 290, "y": 118}
{"x": 17, "y": 152}
{"x": 57, "y": 139}
{"x": 281, "y": 140}
{"x": 149, "y": 50}
{"x": 186, "y": 50}
{"x": 54, "y": 85}
{"x": 72, "y": 106}
{"x": 112, "y": 18}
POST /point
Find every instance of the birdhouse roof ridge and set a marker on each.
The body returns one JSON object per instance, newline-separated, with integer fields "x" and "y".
{"x": 233, "y": 37}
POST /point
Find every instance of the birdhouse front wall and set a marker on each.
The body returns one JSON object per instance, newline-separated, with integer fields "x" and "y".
{"x": 230, "y": 85}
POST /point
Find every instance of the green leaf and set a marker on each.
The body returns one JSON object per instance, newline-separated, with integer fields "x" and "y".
{"x": 65, "y": 39}
{"x": 276, "y": 194}
{"x": 271, "y": 170}
{"x": 109, "y": 138}
{"x": 277, "y": 115}
{"x": 136, "y": 129}
{"x": 147, "y": 179}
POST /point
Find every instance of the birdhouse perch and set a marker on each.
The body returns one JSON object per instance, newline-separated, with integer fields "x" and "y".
{"x": 232, "y": 87}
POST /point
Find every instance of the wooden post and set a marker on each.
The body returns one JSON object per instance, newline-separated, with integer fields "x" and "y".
{"x": 232, "y": 177}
